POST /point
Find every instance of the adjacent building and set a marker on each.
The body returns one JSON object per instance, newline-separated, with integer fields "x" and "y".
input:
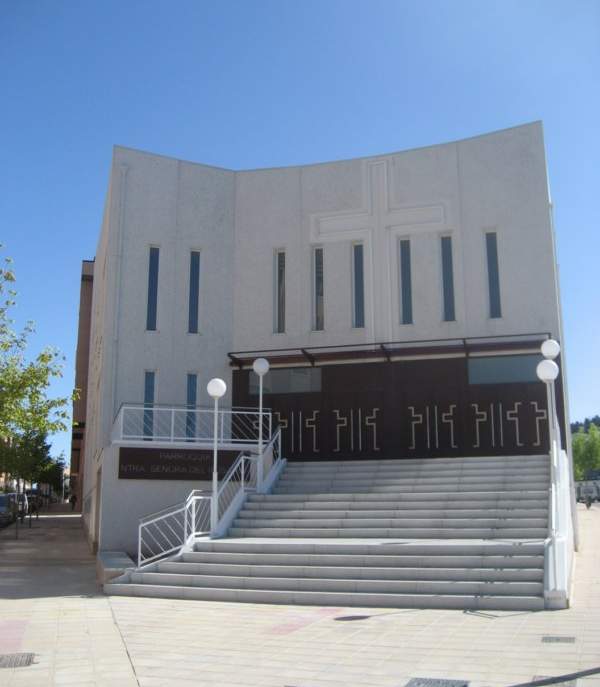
{"x": 82, "y": 357}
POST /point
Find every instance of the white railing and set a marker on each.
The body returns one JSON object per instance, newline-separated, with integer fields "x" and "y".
{"x": 172, "y": 529}
{"x": 177, "y": 424}
{"x": 244, "y": 477}
{"x": 560, "y": 541}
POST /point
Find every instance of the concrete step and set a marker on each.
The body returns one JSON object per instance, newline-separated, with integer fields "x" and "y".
{"x": 374, "y": 462}
{"x": 270, "y": 512}
{"x": 371, "y": 586}
{"x": 414, "y": 523}
{"x": 422, "y": 561}
{"x": 454, "y": 601}
{"x": 431, "y": 507}
{"x": 381, "y": 473}
{"x": 392, "y": 532}
{"x": 431, "y": 499}
{"x": 340, "y": 572}
{"x": 465, "y": 533}
{"x": 369, "y": 549}
{"x": 435, "y": 483}
{"x": 349, "y": 470}
{"x": 406, "y": 488}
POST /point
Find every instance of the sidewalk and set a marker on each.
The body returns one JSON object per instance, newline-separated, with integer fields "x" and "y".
{"x": 50, "y": 606}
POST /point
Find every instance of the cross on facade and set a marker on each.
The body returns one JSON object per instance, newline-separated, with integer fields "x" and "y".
{"x": 377, "y": 225}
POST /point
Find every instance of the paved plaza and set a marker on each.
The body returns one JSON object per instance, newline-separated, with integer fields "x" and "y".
{"x": 51, "y": 607}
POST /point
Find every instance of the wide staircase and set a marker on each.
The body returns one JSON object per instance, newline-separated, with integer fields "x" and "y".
{"x": 463, "y": 533}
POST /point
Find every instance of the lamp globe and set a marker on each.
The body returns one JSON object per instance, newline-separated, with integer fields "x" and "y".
{"x": 261, "y": 366}
{"x": 547, "y": 371}
{"x": 216, "y": 388}
{"x": 550, "y": 349}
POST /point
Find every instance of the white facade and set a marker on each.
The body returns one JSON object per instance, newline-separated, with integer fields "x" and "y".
{"x": 238, "y": 220}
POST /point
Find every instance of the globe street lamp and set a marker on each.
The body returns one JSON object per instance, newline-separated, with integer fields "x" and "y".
{"x": 547, "y": 371}
{"x": 216, "y": 389}
{"x": 550, "y": 349}
{"x": 260, "y": 367}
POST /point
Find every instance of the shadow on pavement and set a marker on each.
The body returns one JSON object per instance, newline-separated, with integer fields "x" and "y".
{"x": 49, "y": 559}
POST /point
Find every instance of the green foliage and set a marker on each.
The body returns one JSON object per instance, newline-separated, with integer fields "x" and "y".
{"x": 28, "y": 458}
{"x": 586, "y": 451}
{"x": 25, "y": 408}
{"x": 52, "y": 474}
{"x": 585, "y": 425}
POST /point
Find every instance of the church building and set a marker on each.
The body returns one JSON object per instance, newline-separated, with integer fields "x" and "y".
{"x": 400, "y": 300}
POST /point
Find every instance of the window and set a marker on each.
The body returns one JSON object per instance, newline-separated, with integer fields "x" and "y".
{"x": 294, "y": 380}
{"x": 491, "y": 245}
{"x": 148, "y": 421}
{"x": 194, "y": 292}
{"x": 404, "y": 278}
{"x": 152, "y": 288}
{"x": 279, "y": 314}
{"x": 358, "y": 286}
{"x": 191, "y": 394}
{"x": 318, "y": 304}
{"x": 448, "y": 279}
{"x": 503, "y": 369}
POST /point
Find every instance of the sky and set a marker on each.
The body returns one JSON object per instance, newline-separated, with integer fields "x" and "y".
{"x": 245, "y": 84}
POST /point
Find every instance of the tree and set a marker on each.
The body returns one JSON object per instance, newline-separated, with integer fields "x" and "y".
{"x": 586, "y": 451}
{"x": 585, "y": 425}
{"x": 53, "y": 474}
{"x": 28, "y": 456}
{"x": 27, "y": 413}
{"x": 25, "y": 407}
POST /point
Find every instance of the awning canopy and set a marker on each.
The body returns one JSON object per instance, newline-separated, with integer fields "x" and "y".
{"x": 392, "y": 350}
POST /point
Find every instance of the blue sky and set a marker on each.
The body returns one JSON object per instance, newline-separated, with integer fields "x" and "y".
{"x": 251, "y": 84}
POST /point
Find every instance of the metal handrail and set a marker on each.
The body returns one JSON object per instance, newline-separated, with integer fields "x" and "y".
{"x": 185, "y": 425}
{"x": 179, "y": 406}
{"x": 233, "y": 468}
{"x": 195, "y": 492}
{"x": 166, "y": 532}
{"x": 169, "y": 530}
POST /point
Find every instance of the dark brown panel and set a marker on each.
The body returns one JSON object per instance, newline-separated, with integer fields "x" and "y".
{"x": 405, "y": 409}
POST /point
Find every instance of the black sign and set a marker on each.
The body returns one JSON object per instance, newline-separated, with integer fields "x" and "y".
{"x": 162, "y": 463}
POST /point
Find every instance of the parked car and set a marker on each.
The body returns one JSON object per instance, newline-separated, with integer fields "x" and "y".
{"x": 588, "y": 488}
{"x": 8, "y": 508}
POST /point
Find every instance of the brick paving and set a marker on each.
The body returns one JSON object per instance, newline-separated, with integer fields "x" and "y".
{"x": 51, "y": 606}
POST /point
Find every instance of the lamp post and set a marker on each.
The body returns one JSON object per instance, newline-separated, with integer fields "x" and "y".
{"x": 260, "y": 367}
{"x": 216, "y": 389}
{"x": 547, "y": 371}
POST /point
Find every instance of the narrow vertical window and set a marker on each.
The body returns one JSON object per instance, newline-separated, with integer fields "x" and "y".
{"x": 279, "y": 292}
{"x": 191, "y": 391}
{"x": 358, "y": 286}
{"x": 493, "y": 274}
{"x": 406, "y": 315}
{"x": 148, "y": 422}
{"x": 318, "y": 304}
{"x": 448, "y": 279}
{"x": 194, "y": 292}
{"x": 152, "y": 288}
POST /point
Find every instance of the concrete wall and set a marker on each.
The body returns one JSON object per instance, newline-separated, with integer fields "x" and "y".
{"x": 495, "y": 183}
{"x": 237, "y": 220}
{"x": 178, "y": 207}
{"x": 125, "y": 501}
